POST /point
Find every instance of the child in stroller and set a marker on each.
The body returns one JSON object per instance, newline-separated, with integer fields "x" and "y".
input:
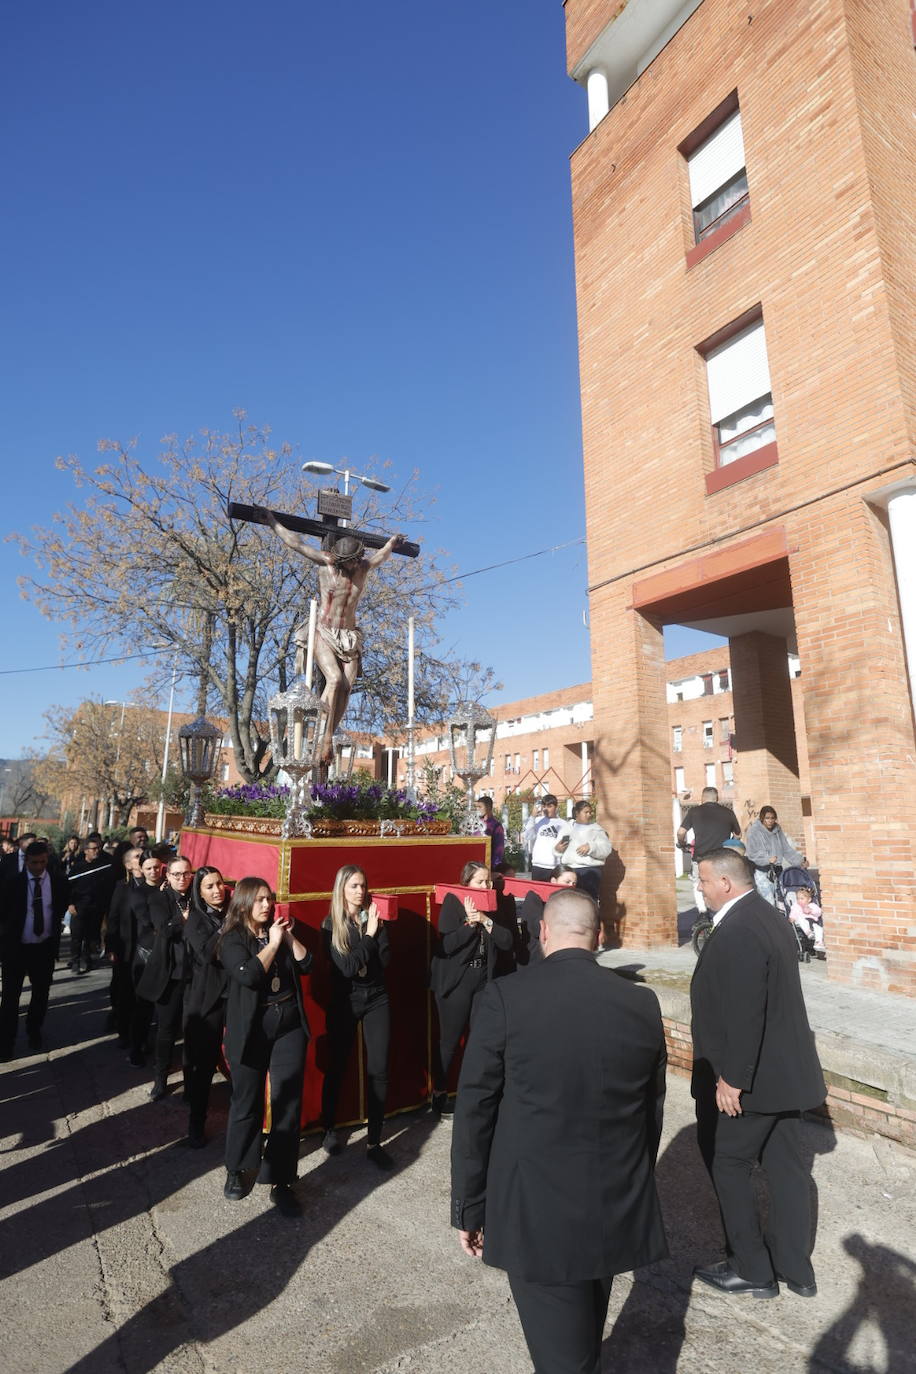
{"x": 799, "y": 899}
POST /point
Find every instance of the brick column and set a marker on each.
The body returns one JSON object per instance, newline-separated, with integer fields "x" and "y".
{"x": 766, "y": 770}
{"x": 861, "y": 747}
{"x": 631, "y": 768}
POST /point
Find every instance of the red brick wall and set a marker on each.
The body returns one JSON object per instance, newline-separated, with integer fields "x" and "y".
{"x": 829, "y": 254}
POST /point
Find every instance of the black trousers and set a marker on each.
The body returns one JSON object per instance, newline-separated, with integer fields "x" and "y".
{"x": 169, "y": 1009}
{"x": 274, "y": 1056}
{"x": 84, "y": 935}
{"x": 35, "y": 962}
{"x": 731, "y": 1146}
{"x": 589, "y": 880}
{"x": 203, "y": 1036}
{"x": 141, "y": 1014}
{"x": 455, "y": 1012}
{"x": 543, "y": 875}
{"x": 372, "y": 1010}
{"x": 563, "y": 1323}
{"x": 122, "y": 995}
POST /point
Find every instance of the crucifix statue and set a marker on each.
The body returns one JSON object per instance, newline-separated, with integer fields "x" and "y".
{"x": 343, "y": 570}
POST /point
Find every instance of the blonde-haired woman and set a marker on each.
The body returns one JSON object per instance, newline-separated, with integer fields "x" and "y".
{"x": 356, "y": 942}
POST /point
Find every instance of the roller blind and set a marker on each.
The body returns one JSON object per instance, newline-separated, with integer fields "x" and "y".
{"x": 737, "y": 372}
{"x": 717, "y": 160}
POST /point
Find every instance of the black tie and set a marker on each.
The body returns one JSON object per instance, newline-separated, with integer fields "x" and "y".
{"x": 38, "y": 911}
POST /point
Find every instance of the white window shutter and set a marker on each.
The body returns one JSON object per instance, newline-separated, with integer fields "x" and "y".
{"x": 717, "y": 160}
{"x": 737, "y": 372}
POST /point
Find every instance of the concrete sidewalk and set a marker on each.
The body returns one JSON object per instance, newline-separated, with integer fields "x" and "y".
{"x": 119, "y": 1253}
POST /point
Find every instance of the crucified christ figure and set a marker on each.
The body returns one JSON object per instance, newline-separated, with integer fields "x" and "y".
{"x": 342, "y": 574}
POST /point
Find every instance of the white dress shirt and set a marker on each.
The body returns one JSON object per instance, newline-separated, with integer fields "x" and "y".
{"x": 28, "y": 930}
{"x": 727, "y": 906}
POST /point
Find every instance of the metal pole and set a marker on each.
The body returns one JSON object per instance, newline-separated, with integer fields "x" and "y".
{"x": 411, "y": 751}
{"x": 160, "y": 814}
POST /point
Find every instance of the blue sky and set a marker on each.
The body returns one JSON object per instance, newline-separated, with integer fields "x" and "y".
{"x": 351, "y": 221}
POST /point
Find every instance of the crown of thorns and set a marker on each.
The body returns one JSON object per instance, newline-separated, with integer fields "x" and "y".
{"x": 347, "y": 550}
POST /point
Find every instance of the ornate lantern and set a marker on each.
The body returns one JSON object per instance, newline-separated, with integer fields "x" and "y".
{"x": 344, "y": 747}
{"x": 298, "y": 725}
{"x": 464, "y": 731}
{"x": 198, "y": 747}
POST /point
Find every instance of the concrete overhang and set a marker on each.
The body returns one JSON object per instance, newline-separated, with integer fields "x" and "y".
{"x": 626, "y": 46}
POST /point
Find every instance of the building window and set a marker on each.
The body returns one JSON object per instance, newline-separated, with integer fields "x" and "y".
{"x": 724, "y": 729}
{"x": 546, "y": 758}
{"x": 679, "y": 780}
{"x": 508, "y": 763}
{"x": 728, "y": 772}
{"x": 707, "y": 684}
{"x": 707, "y": 734}
{"x": 710, "y": 775}
{"x": 724, "y": 681}
{"x": 518, "y": 763}
{"x": 536, "y": 759}
{"x": 677, "y": 738}
{"x": 224, "y": 773}
{"x": 718, "y": 176}
{"x": 740, "y": 398}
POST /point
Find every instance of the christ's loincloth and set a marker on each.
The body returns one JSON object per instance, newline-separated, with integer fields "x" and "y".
{"x": 346, "y": 644}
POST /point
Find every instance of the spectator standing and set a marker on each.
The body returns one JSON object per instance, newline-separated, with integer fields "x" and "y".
{"x": 585, "y": 846}
{"x": 489, "y": 825}
{"x": 547, "y": 832}
{"x": 770, "y": 852}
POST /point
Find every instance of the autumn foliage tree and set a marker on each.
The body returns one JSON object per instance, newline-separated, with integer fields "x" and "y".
{"x": 149, "y": 559}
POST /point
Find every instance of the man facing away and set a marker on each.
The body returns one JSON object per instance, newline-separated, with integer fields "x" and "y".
{"x": 556, "y": 1130}
{"x": 755, "y": 1070}
{"x": 712, "y": 824}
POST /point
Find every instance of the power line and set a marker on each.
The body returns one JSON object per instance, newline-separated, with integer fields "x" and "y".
{"x": 152, "y": 653}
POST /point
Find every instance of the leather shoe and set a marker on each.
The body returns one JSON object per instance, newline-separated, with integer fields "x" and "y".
{"x": 801, "y": 1290}
{"x": 234, "y": 1187}
{"x": 331, "y": 1143}
{"x": 285, "y": 1200}
{"x": 196, "y": 1138}
{"x": 158, "y": 1091}
{"x": 723, "y": 1277}
{"x": 380, "y": 1157}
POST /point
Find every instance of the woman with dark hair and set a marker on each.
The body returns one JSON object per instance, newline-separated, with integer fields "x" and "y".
{"x": 120, "y": 937}
{"x": 463, "y": 964}
{"x": 356, "y": 943}
{"x": 266, "y": 1037}
{"x": 205, "y": 998}
{"x": 168, "y": 968}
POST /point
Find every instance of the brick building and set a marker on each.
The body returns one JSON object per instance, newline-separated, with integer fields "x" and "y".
{"x": 745, "y": 238}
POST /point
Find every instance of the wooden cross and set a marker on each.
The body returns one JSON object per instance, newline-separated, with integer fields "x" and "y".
{"x": 327, "y": 528}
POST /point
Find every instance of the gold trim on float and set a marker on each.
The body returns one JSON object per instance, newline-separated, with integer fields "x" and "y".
{"x": 352, "y": 841}
{"x": 275, "y": 840}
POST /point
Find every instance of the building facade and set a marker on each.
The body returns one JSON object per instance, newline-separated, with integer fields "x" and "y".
{"x": 745, "y": 239}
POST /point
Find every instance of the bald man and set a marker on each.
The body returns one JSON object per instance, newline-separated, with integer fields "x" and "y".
{"x": 556, "y": 1130}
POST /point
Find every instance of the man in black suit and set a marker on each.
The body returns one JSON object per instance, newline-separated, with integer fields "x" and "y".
{"x": 32, "y": 906}
{"x": 556, "y": 1130}
{"x": 755, "y": 1070}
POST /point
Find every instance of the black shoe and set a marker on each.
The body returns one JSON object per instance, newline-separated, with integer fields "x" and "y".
{"x": 438, "y": 1103}
{"x": 159, "y": 1089}
{"x": 87, "y": 967}
{"x": 36, "y": 1044}
{"x": 285, "y": 1200}
{"x": 380, "y": 1158}
{"x": 801, "y": 1290}
{"x": 448, "y": 1106}
{"x": 196, "y": 1138}
{"x": 331, "y": 1143}
{"x": 234, "y": 1187}
{"x": 136, "y": 1060}
{"x": 723, "y": 1277}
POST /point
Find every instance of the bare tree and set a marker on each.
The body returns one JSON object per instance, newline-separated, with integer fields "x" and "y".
{"x": 150, "y": 558}
{"x": 103, "y": 752}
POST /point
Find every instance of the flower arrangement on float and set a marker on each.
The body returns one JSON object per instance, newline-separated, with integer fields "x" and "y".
{"x": 362, "y": 806}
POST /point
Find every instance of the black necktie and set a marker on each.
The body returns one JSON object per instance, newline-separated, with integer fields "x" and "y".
{"x": 38, "y": 911}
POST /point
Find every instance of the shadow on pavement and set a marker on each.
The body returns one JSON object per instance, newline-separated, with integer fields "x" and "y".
{"x": 884, "y": 1305}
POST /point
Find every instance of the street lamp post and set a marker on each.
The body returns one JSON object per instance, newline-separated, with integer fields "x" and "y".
{"x": 298, "y": 722}
{"x": 469, "y": 721}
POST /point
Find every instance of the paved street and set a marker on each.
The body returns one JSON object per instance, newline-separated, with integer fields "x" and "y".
{"x": 119, "y": 1252}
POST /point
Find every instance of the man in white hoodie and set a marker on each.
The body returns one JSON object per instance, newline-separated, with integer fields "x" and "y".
{"x": 584, "y": 847}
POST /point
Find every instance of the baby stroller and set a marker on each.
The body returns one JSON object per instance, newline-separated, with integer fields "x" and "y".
{"x": 786, "y": 883}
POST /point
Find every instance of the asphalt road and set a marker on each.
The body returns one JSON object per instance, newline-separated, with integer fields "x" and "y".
{"x": 119, "y": 1253}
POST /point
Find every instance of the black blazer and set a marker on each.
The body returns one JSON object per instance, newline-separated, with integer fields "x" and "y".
{"x": 458, "y": 944}
{"x": 120, "y": 930}
{"x": 91, "y": 886}
{"x": 14, "y": 900}
{"x": 143, "y": 909}
{"x": 557, "y": 1123}
{"x": 369, "y": 952}
{"x": 749, "y": 1020}
{"x": 208, "y": 977}
{"x": 529, "y": 950}
{"x": 248, "y": 985}
{"x": 168, "y": 957}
